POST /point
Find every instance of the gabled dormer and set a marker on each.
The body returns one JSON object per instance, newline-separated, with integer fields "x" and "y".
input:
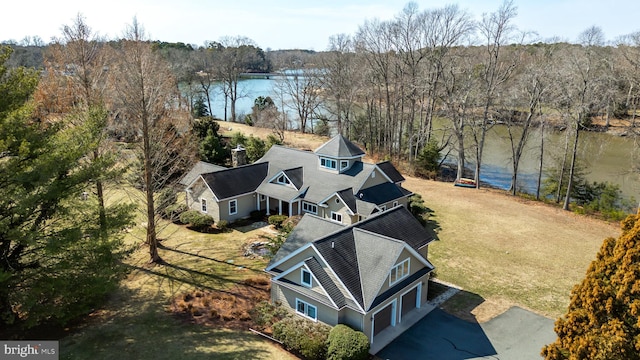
{"x": 290, "y": 177}
{"x": 338, "y": 154}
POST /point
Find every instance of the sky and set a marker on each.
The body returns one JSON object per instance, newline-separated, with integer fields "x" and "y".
{"x": 295, "y": 24}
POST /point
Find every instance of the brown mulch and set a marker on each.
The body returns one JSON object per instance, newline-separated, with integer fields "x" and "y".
{"x": 230, "y": 308}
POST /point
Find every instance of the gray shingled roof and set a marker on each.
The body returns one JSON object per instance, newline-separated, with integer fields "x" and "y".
{"x": 236, "y": 181}
{"x": 198, "y": 169}
{"x": 296, "y": 176}
{"x": 309, "y": 228}
{"x": 362, "y": 254}
{"x": 382, "y": 193}
{"x": 390, "y": 170}
{"x": 347, "y": 196}
{"x": 339, "y": 147}
{"x": 329, "y": 286}
{"x": 317, "y": 184}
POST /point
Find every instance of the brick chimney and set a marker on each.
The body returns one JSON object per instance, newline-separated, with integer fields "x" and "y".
{"x": 238, "y": 156}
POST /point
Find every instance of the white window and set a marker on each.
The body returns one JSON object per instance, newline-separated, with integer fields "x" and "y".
{"x": 337, "y": 201}
{"x": 395, "y": 203}
{"x": 373, "y": 174}
{"x": 262, "y": 197}
{"x": 306, "y": 309}
{"x": 344, "y": 164}
{"x": 203, "y": 205}
{"x": 283, "y": 180}
{"x": 337, "y": 217}
{"x": 399, "y": 272}
{"x": 383, "y": 207}
{"x": 305, "y": 278}
{"x": 309, "y": 207}
{"x": 328, "y": 163}
{"x": 233, "y": 207}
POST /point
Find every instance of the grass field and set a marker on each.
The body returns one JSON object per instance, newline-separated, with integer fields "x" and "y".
{"x": 136, "y": 323}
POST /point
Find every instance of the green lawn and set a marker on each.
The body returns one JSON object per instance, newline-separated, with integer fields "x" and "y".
{"x": 135, "y": 323}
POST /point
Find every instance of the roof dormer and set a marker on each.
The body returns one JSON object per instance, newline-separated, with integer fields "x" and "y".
{"x": 338, "y": 154}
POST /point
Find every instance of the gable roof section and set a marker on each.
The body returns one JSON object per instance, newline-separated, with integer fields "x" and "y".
{"x": 374, "y": 266}
{"x": 398, "y": 223}
{"x": 391, "y": 171}
{"x": 236, "y": 181}
{"x": 198, "y": 169}
{"x": 309, "y": 228}
{"x": 349, "y": 200}
{"x": 325, "y": 281}
{"x": 339, "y": 147}
{"x": 382, "y": 193}
{"x": 295, "y": 175}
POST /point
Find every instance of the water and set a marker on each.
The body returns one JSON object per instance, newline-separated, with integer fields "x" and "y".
{"x": 607, "y": 157}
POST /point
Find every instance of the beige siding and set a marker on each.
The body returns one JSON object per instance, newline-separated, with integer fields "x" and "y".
{"x": 377, "y": 180}
{"x": 246, "y": 204}
{"x": 337, "y": 207}
{"x": 295, "y": 276}
{"x": 351, "y": 318}
{"x": 288, "y": 297}
{"x": 414, "y": 266}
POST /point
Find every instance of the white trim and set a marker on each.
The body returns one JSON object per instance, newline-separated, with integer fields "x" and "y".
{"x": 395, "y": 203}
{"x": 404, "y": 275}
{"x": 301, "y": 265}
{"x": 337, "y": 214}
{"x": 304, "y": 270}
{"x": 418, "y": 295}
{"x": 203, "y": 205}
{"x": 394, "y": 314}
{"x": 326, "y": 158}
{"x": 330, "y": 304}
{"x": 346, "y": 289}
{"x": 307, "y": 305}
{"x": 307, "y": 204}
{"x": 360, "y": 188}
{"x": 236, "y": 203}
{"x": 345, "y": 167}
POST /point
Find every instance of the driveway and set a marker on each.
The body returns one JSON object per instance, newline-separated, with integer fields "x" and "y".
{"x": 516, "y": 334}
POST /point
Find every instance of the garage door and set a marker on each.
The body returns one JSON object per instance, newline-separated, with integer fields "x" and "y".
{"x": 382, "y": 319}
{"x": 409, "y": 301}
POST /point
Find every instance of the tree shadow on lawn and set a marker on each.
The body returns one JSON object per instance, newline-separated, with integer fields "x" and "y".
{"x": 431, "y": 224}
{"x": 136, "y": 326}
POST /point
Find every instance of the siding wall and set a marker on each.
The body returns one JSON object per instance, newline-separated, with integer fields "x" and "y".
{"x": 288, "y": 297}
{"x": 414, "y": 266}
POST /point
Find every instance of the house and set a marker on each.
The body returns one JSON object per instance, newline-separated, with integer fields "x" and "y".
{"x": 331, "y": 182}
{"x": 371, "y": 275}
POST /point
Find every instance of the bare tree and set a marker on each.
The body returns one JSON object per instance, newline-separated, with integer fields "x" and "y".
{"x": 300, "y": 92}
{"x": 585, "y": 63}
{"x": 529, "y": 91}
{"x": 146, "y": 97}
{"x": 341, "y": 81}
{"x": 496, "y": 30}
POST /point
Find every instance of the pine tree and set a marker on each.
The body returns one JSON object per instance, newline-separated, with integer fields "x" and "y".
{"x": 603, "y": 320}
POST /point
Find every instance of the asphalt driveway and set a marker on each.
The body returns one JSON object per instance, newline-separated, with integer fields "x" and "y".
{"x": 517, "y": 334}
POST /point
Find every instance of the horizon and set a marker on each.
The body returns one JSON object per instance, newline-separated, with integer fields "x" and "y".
{"x": 289, "y": 25}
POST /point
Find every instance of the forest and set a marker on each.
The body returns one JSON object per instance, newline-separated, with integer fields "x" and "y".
{"x": 69, "y": 110}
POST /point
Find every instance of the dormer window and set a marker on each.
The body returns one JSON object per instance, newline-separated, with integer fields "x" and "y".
{"x": 283, "y": 180}
{"x": 305, "y": 278}
{"x": 399, "y": 272}
{"x": 328, "y": 163}
{"x": 344, "y": 164}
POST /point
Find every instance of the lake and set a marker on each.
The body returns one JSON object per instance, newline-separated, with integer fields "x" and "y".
{"x": 607, "y": 157}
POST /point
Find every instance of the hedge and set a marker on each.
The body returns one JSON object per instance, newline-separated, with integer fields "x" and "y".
{"x": 347, "y": 344}
{"x": 196, "y": 220}
{"x": 304, "y": 337}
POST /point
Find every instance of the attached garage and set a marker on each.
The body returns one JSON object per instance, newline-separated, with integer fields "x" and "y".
{"x": 409, "y": 301}
{"x": 384, "y": 318}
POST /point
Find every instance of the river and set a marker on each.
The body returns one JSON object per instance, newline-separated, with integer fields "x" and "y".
{"x": 606, "y": 157}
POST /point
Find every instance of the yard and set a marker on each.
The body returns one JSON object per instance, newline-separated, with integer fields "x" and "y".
{"x": 138, "y": 322}
{"x": 502, "y": 251}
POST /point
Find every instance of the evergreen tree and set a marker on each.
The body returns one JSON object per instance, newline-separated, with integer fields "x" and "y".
{"x": 56, "y": 260}
{"x": 603, "y": 319}
{"x": 200, "y": 108}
